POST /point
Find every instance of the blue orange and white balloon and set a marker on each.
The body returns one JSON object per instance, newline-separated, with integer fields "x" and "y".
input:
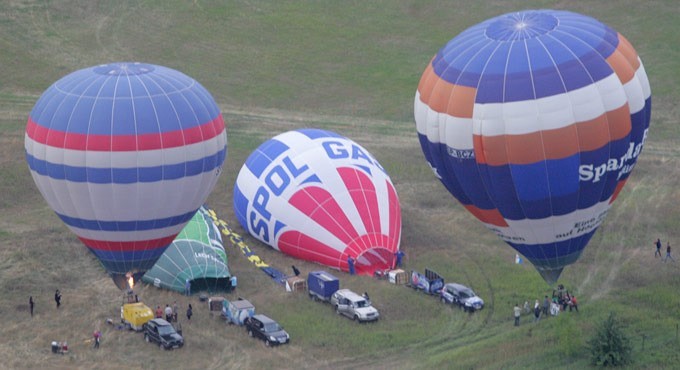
{"x": 318, "y": 196}
{"x": 125, "y": 154}
{"x": 534, "y": 120}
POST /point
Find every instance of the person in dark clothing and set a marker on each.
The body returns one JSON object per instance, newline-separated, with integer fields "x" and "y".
{"x": 399, "y": 257}
{"x": 546, "y": 306}
{"x": 350, "y": 265}
{"x": 668, "y": 253}
{"x": 57, "y": 298}
{"x": 190, "y": 312}
{"x": 537, "y": 313}
{"x": 296, "y": 271}
{"x": 31, "y": 304}
{"x": 658, "y": 248}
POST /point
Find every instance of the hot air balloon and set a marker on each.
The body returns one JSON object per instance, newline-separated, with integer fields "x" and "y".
{"x": 196, "y": 257}
{"x": 533, "y": 121}
{"x": 125, "y": 154}
{"x": 318, "y": 196}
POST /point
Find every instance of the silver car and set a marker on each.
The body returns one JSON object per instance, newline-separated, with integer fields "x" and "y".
{"x": 354, "y": 306}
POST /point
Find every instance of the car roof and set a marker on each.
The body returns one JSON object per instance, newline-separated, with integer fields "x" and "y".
{"x": 350, "y": 295}
{"x": 264, "y": 319}
{"x": 160, "y": 322}
{"x": 459, "y": 286}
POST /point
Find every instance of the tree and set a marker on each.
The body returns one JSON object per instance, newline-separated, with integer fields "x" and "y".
{"x": 610, "y": 346}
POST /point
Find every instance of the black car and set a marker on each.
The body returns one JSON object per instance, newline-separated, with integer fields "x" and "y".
{"x": 162, "y": 332}
{"x": 268, "y": 330}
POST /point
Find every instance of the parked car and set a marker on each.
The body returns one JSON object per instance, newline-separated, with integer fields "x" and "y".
{"x": 162, "y": 332}
{"x": 268, "y": 330}
{"x": 321, "y": 285}
{"x": 354, "y": 306}
{"x": 462, "y": 296}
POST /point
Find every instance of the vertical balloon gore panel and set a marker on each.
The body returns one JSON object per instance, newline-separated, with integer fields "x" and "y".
{"x": 533, "y": 120}
{"x": 125, "y": 153}
{"x": 318, "y": 196}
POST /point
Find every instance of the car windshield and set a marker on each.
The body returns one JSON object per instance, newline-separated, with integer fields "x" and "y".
{"x": 467, "y": 293}
{"x": 362, "y": 303}
{"x": 271, "y": 327}
{"x": 165, "y": 330}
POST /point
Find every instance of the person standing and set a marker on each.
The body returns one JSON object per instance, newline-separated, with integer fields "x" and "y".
{"x": 97, "y": 334}
{"x": 296, "y": 272}
{"x": 399, "y": 257}
{"x": 190, "y": 312}
{"x": 546, "y": 306}
{"x": 187, "y": 287}
{"x": 159, "y": 312}
{"x": 57, "y": 297}
{"x": 31, "y": 304}
{"x": 658, "y": 248}
{"x": 668, "y": 253}
{"x": 168, "y": 313}
{"x": 350, "y": 265}
{"x": 574, "y": 304}
{"x": 175, "y": 311}
{"x": 518, "y": 313}
{"x": 537, "y": 312}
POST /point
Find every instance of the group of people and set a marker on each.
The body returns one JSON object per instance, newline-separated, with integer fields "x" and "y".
{"x": 657, "y": 243}
{"x": 561, "y": 301}
{"x": 171, "y": 313}
{"x": 31, "y": 302}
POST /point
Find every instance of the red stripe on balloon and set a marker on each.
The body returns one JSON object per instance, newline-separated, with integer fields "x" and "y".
{"x": 122, "y": 143}
{"x": 132, "y": 246}
{"x": 307, "y": 248}
{"x": 320, "y": 206}
{"x": 362, "y": 191}
{"x": 395, "y": 217}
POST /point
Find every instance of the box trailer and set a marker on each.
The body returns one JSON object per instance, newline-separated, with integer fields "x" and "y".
{"x": 135, "y": 315}
{"x": 321, "y": 285}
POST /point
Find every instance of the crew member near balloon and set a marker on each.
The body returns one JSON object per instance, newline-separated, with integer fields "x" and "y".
{"x": 533, "y": 121}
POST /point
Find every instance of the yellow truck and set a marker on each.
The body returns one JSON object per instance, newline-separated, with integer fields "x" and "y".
{"x": 135, "y": 315}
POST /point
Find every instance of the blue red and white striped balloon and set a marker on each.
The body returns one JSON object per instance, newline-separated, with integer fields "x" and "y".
{"x": 318, "y": 196}
{"x": 534, "y": 120}
{"x": 125, "y": 154}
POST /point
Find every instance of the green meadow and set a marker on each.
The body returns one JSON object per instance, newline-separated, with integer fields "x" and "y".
{"x": 351, "y": 67}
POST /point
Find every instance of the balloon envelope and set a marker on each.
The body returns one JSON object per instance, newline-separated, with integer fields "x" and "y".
{"x": 125, "y": 153}
{"x": 533, "y": 121}
{"x": 321, "y": 197}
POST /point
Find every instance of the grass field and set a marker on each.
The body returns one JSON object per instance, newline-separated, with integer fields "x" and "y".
{"x": 352, "y": 67}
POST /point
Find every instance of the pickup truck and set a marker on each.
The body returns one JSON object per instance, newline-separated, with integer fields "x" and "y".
{"x": 321, "y": 285}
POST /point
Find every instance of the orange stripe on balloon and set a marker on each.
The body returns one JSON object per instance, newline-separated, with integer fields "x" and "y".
{"x": 445, "y": 97}
{"x": 553, "y": 144}
{"x": 488, "y": 216}
{"x": 619, "y": 186}
{"x": 624, "y": 60}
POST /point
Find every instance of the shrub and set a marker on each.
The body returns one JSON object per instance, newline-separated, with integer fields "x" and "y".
{"x": 610, "y": 346}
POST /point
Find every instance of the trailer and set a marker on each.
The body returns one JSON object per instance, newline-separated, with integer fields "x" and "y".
{"x": 321, "y": 285}
{"x": 430, "y": 282}
{"x": 236, "y": 312}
